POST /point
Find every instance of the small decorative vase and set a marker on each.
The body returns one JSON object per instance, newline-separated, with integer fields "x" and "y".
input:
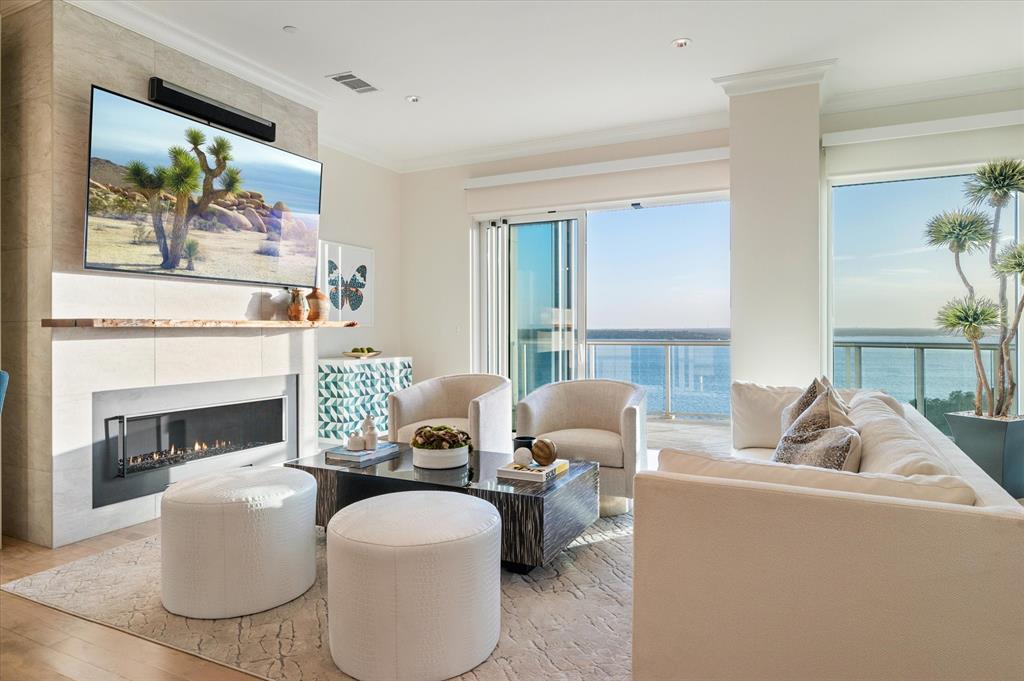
{"x": 297, "y": 310}
{"x": 317, "y": 300}
{"x": 355, "y": 443}
{"x": 440, "y": 458}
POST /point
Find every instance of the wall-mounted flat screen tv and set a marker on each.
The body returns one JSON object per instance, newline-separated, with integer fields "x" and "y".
{"x": 169, "y": 195}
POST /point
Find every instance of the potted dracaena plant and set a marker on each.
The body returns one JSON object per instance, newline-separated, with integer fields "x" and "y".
{"x": 993, "y": 435}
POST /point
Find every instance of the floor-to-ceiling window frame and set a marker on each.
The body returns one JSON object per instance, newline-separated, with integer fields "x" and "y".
{"x": 848, "y": 357}
{"x": 495, "y": 270}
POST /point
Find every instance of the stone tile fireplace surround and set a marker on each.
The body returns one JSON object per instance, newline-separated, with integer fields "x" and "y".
{"x": 52, "y": 54}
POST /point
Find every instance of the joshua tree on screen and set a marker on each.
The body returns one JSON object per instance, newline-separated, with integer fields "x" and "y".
{"x": 192, "y": 170}
{"x": 969, "y": 230}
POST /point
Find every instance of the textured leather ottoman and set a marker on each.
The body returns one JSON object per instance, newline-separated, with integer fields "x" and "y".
{"x": 413, "y": 585}
{"x": 237, "y": 542}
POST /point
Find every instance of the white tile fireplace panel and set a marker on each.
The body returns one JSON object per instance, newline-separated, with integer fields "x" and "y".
{"x": 91, "y": 360}
{"x": 198, "y": 355}
{"x": 75, "y": 519}
{"x": 101, "y": 294}
{"x": 288, "y": 352}
{"x": 184, "y": 299}
{"x": 72, "y": 431}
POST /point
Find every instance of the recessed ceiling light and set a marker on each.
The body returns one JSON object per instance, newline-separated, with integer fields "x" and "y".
{"x": 290, "y": 29}
{"x": 412, "y": 99}
{"x": 681, "y": 42}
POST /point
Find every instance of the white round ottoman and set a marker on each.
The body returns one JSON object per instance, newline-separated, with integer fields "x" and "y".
{"x": 413, "y": 585}
{"x": 237, "y": 542}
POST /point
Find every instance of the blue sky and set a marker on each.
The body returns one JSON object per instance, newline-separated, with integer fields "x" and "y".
{"x": 885, "y": 275}
{"x": 125, "y": 130}
{"x": 663, "y": 267}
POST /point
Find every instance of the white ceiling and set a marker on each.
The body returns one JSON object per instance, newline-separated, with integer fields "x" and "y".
{"x": 499, "y": 79}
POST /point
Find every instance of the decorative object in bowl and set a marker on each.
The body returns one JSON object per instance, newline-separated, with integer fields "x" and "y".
{"x": 440, "y": 447}
{"x": 362, "y": 353}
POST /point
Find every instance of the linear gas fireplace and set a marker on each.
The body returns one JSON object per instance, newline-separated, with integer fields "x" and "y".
{"x": 148, "y": 438}
{"x": 145, "y": 442}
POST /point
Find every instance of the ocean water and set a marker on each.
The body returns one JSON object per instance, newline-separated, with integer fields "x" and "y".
{"x": 701, "y": 376}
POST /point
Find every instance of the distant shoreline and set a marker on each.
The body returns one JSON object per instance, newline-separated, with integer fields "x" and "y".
{"x": 722, "y": 334}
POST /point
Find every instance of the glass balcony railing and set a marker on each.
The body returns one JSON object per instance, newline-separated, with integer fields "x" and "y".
{"x": 691, "y": 379}
{"x": 936, "y": 378}
{"x": 686, "y": 378}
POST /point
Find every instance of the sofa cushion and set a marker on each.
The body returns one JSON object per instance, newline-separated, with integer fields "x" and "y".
{"x": 756, "y": 413}
{"x": 817, "y": 387}
{"x": 405, "y": 433}
{"x": 942, "y": 488}
{"x": 590, "y": 444}
{"x": 823, "y": 435}
{"x": 889, "y": 444}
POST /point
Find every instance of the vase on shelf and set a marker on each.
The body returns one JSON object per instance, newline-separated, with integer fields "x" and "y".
{"x": 297, "y": 310}
{"x": 317, "y": 301}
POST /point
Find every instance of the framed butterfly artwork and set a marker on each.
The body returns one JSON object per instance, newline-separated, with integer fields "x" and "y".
{"x": 345, "y": 274}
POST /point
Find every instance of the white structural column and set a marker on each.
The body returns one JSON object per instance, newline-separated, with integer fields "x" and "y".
{"x": 778, "y": 300}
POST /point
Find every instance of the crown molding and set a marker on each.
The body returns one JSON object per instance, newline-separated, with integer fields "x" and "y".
{"x": 135, "y": 17}
{"x": 946, "y": 88}
{"x": 600, "y": 168}
{"x": 939, "y": 126}
{"x": 595, "y": 138}
{"x": 362, "y": 152}
{"x": 774, "y": 79}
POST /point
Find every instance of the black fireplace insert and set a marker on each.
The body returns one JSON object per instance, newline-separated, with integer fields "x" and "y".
{"x": 148, "y": 442}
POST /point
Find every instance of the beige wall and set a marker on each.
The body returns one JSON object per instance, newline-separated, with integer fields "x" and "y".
{"x": 437, "y": 216}
{"x": 776, "y": 269}
{"x": 52, "y": 53}
{"x": 361, "y": 206}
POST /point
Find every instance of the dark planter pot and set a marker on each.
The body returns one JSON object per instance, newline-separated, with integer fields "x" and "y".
{"x": 997, "y": 445}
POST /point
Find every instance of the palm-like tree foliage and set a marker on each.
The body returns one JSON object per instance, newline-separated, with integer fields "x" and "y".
{"x": 220, "y": 149}
{"x": 139, "y": 174}
{"x": 1011, "y": 261}
{"x": 195, "y": 137}
{"x": 182, "y": 178}
{"x": 231, "y": 180}
{"x": 963, "y": 230}
{"x": 971, "y": 317}
{"x": 996, "y": 182}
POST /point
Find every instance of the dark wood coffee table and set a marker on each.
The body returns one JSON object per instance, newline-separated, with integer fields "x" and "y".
{"x": 538, "y": 520}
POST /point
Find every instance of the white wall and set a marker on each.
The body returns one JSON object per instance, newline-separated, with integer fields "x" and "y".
{"x": 776, "y": 267}
{"x": 361, "y": 205}
{"x": 437, "y": 218}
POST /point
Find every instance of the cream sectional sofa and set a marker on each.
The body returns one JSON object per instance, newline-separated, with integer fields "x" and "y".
{"x": 748, "y": 569}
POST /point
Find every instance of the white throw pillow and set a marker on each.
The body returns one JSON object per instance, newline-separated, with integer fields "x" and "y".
{"x": 943, "y": 488}
{"x": 757, "y": 413}
{"x": 889, "y": 444}
{"x": 888, "y": 400}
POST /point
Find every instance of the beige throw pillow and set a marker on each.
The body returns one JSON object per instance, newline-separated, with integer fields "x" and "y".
{"x": 817, "y": 387}
{"x": 823, "y": 435}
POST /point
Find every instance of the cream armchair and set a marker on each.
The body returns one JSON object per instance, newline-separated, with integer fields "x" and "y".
{"x": 597, "y": 420}
{"x": 480, "y": 404}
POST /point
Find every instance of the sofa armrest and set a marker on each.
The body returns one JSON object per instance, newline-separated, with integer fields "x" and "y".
{"x": 633, "y": 430}
{"x": 738, "y": 579}
{"x": 490, "y": 419}
{"x": 416, "y": 403}
{"x": 532, "y": 416}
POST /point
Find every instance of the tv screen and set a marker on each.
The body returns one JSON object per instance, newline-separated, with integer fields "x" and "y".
{"x": 169, "y": 195}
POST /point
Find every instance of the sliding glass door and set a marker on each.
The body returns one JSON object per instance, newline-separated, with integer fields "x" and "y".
{"x": 533, "y": 289}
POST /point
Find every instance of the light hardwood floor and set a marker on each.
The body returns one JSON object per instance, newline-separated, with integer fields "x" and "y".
{"x": 42, "y": 644}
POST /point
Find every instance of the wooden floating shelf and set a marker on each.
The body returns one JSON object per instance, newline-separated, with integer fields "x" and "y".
{"x": 110, "y": 323}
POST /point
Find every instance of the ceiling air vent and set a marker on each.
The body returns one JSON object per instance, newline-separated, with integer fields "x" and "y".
{"x": 352, "y": 82}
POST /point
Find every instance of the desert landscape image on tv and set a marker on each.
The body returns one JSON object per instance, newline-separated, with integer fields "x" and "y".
{"x": 168, "y": 195}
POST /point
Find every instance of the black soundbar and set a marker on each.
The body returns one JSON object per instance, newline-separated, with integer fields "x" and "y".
{"x": 204, "y": 108}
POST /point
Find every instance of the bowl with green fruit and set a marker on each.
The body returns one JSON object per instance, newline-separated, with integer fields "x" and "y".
{"x": 362, "y": 353}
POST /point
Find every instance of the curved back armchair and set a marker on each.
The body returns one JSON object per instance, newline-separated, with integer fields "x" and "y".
{"x": 480, "y": 404}
{"x": 594, "y": 419}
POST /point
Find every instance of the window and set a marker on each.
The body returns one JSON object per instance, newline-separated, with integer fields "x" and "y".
{"x": 888, "y": 286}
{"x": 657, "y": 304}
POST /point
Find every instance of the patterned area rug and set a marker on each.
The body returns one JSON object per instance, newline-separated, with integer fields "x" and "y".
{"x": 570, "y": 620}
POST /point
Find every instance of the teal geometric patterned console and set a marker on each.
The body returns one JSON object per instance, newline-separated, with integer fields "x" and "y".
{"x": 349, "y": 389}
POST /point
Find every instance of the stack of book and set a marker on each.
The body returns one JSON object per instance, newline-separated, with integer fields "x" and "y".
{"x": 534, "y": 472}
{"x": 339, "y": 456}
